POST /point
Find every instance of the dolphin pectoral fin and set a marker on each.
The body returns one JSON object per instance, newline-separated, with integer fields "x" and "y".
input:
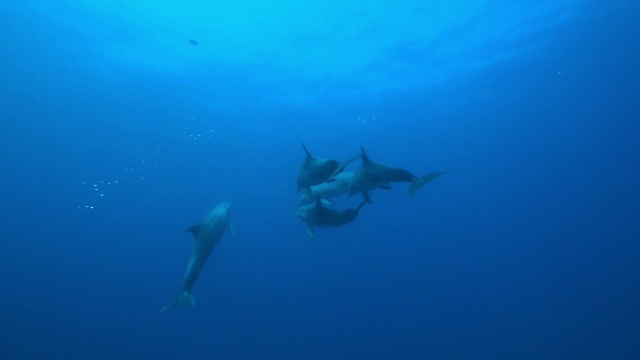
{"x": 306, "y": 193}
{"x": 367, "y": 197}
{"x": 327, "y": 202}
{"x": 183, "y": 300}
{"x": 418, "y": 182}
{"x": 311, "y": 231}
{"x": 365, "y": 201}
{"x": 195, "y": 230}
{"x": 232, "y": 229}
{"x": 337, "y": 171}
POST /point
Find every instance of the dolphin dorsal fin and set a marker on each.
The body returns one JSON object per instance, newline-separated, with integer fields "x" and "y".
{"x": 306, "y": 150}
{"x": 365, "y": 159}
{"x": 342, "y": 166}
{"x": 195, "y": 230}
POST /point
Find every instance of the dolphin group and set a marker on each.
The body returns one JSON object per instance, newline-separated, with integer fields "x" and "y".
{"x": 320, "y": 180}
{"x": 207, "y": 235}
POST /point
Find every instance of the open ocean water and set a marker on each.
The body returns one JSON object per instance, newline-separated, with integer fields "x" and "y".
{"x": 124, "y": 123}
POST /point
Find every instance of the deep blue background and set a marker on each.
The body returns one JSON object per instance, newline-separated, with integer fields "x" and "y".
{"x": 528, "y": 248}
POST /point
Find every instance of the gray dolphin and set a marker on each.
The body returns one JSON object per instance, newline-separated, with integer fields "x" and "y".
{"x": 207, "y": 235}
{"x": 317, "y": 215}
{"x": 338, "y": 185}
{"x": 315, "y": 170}
{"x": 371, "y": 175}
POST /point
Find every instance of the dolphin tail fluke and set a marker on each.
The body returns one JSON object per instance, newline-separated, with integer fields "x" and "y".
{"x": 418, "y": 182}
{"x": 183, "y": 300}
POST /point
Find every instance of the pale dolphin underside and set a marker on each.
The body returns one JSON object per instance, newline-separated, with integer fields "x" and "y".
{"x": 371, "y": 175}
{"x": 207, "y": 235}
{"x": 317, "y": 215}
{"x": 315, "y": 170}
{"x": 338, "y": 185}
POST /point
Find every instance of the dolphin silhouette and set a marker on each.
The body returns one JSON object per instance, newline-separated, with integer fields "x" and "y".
{"x": 315, "y": 170}
{"x": 317, "y": 215}
{"x": 371, "y": 175}
{"x": 207, "y": 235}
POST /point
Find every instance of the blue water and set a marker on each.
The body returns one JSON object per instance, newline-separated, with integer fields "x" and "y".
{"x": 117, "y": 134}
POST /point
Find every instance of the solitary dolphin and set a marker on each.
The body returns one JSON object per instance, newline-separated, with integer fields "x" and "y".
{"x": 315, "y": 170}
{"x": 207, "y": 235}
{"x": 371, "y": 175}
{"x": 338, "y": 186}
{"x": 316, "y": 214}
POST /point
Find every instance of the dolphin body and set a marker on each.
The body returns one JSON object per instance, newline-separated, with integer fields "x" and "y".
{"x": 317, "y": 215}
{"x": 371, "y": 175}
{"x": 315, "y": 170}
{"x": 207, "y": 235}
{"x": 327, "y": 190}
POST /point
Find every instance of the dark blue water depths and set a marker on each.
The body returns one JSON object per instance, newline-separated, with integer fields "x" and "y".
{"x": 117, "y": 135}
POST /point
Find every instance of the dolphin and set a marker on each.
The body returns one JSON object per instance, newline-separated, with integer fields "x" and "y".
{"x": 317, "y": 215}
{"x": 315, "y": 170}
{"x": 338, "y": 186}
{"x": 371, "y": 175}
{"x": 207, "y": 235}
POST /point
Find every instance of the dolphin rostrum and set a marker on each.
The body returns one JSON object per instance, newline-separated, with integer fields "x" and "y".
{"x": 317, "y": 215}
{"x": 315, "y": 170}
{"x": 371, "y": 175}
{"x": 207, "y": 235}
